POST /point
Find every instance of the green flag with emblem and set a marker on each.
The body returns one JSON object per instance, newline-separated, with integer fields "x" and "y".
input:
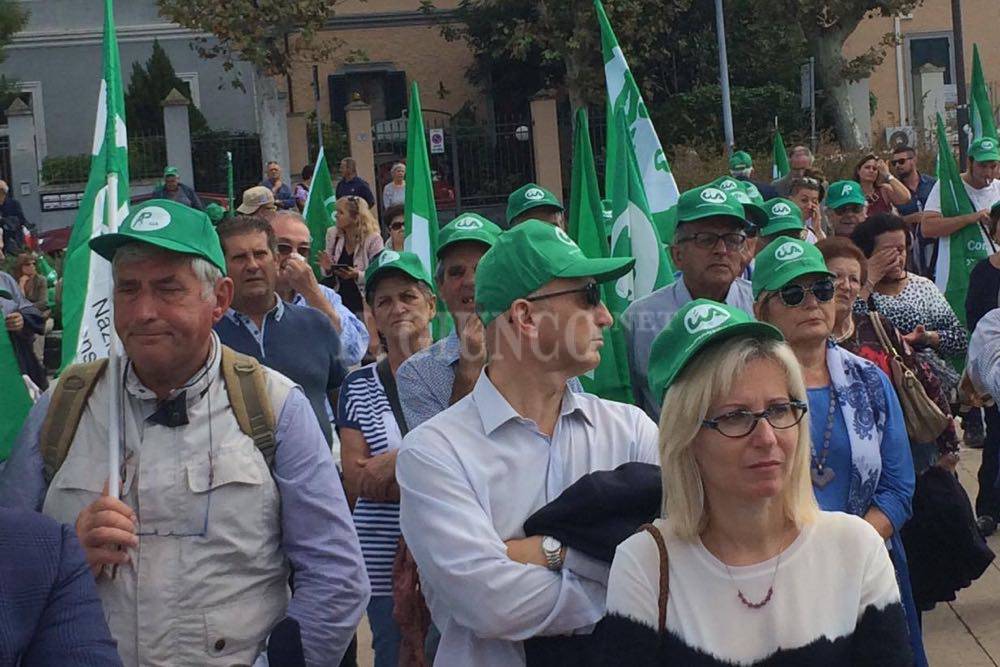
{"x": 981, "y": 116}
{"x": 623, "y": 93}
{"x": 87, "y": 317}
{"x": 961, "y": 251}
{"x": 319, "y": 209}
{"x": 610, "y": 379}
{"x": 633, "y": 233}
{"x": 16, "y": 403}
{"x": 779, "y": 157}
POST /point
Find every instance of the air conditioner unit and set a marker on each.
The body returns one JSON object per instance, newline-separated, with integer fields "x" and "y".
{"x": 904, "y": 135}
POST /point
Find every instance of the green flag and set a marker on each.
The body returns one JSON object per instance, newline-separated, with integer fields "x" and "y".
{"x": 319, "y": 210}
{"x": 87, "y": 277}
{"x": 779, "y": 157}
{"x": 980, "y": 109}
{"x": 610, "y": 379}
{"x": 16, "y": 403}
{"x": 633, "y": 233}
{"x": 230, "y": 187}
{"x": 961, "y": 251}
{"x": 623, "y": 93}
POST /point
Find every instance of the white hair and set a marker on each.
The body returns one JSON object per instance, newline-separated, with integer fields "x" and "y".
{"x": 208, "y": 274}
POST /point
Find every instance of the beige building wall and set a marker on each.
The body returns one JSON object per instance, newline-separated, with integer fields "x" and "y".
{"x": 980, "y": 21}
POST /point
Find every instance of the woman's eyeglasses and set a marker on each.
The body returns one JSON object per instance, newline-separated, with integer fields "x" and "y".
{"x": 591, "y": 294}
{"x": 793, "y": 295}
{"x": 740, "y": 423}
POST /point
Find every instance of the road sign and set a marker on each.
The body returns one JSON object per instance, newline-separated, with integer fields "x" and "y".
{"x": 437, "y": 140}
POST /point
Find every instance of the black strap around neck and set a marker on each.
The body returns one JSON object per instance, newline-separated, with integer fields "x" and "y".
{"x": 388, "y": 381}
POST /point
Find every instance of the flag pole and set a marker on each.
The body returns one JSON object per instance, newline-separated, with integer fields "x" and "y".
{"x": 229, "y": 184}
{"x": 114, "y": 360}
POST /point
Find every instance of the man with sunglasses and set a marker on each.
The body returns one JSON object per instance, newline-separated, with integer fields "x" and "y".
{"x": 904, "y": 166}
{"x": 707, "y": 250}
{"x": 472, "y": 475}
{"x": 846, "y": 207}
{"x": 297, "y": 285}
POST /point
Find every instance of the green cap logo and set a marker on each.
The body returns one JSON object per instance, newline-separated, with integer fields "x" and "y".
{"x": 846, "y": 189}
{"x": 788, "y": 251}
{"x": 781, "y": 209}
{"x": 728, "y": 184}
{"x": 713, "y": 196}
{"x": 534, "y": 194}
{"x": 987, "y": 145}
{"x": 752, "y": 190}
{"x": 387, "y": 256}
{"x": 151, "y": 219}
{"x": 469, "y": 223}
{"x": 562, "y": 236}
{"x": 705, "y": 318}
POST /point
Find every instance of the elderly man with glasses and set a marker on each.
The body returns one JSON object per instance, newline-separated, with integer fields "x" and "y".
{"x": 708, "y": 251}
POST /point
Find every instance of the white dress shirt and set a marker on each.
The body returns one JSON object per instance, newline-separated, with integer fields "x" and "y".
{"x": 469, "y": 478}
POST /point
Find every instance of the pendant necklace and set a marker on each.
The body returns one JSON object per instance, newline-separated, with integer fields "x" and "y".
{"x": 770, "y": 589}
{"x": 821, "y": 475}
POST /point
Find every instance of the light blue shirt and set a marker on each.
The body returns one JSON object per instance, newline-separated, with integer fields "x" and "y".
{"x": 469, "y": 478}
{"x": 353, "y": 332}
{"x": 425, "y": 380}
{"x": 648, "y": 316}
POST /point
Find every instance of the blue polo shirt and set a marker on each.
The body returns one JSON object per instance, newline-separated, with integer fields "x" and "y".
{"x": 918, "y": 197}
{"x": 297, "y": 341}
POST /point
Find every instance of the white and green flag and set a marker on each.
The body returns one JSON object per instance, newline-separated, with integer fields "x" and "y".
{"x": 623, "y": 93}
{"x": 319, "y": 209}
{"x": 633, "y": 233}
{"x": 980, "y": 109}
{"x": 87, "y": 308}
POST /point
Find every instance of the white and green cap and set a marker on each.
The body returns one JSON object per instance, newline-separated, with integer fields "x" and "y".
{"x": 390, "y": 261}
{"x": 696, "y": 325}
{"x": 783, "y": 215}
{"x": 752, "y": 211}
{"x": 467, "y": 227}
{"x": 782, "y": 261}
{"x": 985, "y": 149}
{"x": 527, "y": 197}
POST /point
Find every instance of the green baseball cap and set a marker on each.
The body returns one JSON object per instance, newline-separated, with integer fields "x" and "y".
{"x": 985, "y": 149}
{"x": 740, "y": 160}
{"x": 170, "y": 171}
{"x": 529, "y": 255}
{"x": 755, "y": 196}
{"x": 389, "y": 260}
{"x": 782, "y": 261}
{"x": 168, "y": 225}
{"x": 467, "y": 227}
{"x": 215, "y": 212}
{"x": 527, "y": 197}
{"x": 783, "y": 215}
{"x": 696, "y": 325}
{"x": 738, "y": 189}
{"x": 843, "y": 193}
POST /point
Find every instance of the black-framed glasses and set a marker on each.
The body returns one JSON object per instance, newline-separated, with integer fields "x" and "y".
{"x": 708, "y": 240}
{"x": 396, "y": 226}
{"x": 793, "y": 295}
{"x": 591, "y": 294}
{"x": 287, "y": 249}
{"x": 740, "y": 423}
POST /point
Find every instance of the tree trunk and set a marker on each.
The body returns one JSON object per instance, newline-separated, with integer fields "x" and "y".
{"x": 829, "y": 63}
{"x": 272, "y": 123}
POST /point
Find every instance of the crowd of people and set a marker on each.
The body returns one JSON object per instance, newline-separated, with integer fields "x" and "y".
{"x": 308, "y": 438}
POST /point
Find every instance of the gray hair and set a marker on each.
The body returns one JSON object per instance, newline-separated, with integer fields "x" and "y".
{"x": 396, "y": 167}
{"x": 208, "y": 274}
{"x": 741, "y": 173}
{"x": 804, "y": 150}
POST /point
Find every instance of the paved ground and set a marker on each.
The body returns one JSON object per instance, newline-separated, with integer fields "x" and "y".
{"x": 964, "y": 633}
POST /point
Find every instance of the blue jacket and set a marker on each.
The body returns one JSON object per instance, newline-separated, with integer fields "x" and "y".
{"x": 49, "y": 610}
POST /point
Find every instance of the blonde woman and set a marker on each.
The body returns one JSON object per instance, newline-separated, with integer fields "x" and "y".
{"x": 745, "y": 569}
{"x": 350, "y": 246}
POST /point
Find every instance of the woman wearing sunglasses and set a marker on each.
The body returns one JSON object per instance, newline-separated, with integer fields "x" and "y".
{"x": 860, "y": 457}
{"x": 743, "y": 569}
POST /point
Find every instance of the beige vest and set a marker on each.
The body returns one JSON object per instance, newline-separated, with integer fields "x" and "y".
{"x": 208, "y": 580}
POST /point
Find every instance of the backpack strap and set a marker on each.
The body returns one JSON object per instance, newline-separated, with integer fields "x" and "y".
{"x": 661, "y": 546}
{"x": 388, "y": 381}
{"x": 69, "y": 398}
{"x": 246, "y": 386}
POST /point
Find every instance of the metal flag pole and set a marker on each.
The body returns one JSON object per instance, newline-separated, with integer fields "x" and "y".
{"x": 727, "y": 110}
{"x": 114, "y": 358}
{"x": 319, "y": 119}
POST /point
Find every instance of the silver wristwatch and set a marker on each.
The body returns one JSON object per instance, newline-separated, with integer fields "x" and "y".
{"x": 552, "y": 548}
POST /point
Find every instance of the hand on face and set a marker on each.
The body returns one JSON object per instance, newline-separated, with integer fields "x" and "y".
{"x": 295, "y": 273}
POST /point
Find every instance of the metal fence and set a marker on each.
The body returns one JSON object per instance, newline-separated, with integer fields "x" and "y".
{"x": 5, "y": 170}
{"x": 208, "y": 154}
{"x": 147, "y": 156}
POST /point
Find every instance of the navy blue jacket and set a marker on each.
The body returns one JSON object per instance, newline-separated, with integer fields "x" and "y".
{"x": 357, "y": 187}
{"x": 49, "y": 610}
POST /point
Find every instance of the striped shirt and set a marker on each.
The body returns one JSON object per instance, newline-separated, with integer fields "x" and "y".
{"x": 364, "y": 406}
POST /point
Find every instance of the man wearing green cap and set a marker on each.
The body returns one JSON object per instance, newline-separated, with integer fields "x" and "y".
{"x": 227, "y": 485}
{"x": 741, "y": 168}
{"x": 174, "y": 190}
{"x": 784, "y": 218}
{"x": 846, "y": 207}
{"x": 708, "y": 248}
{"x": 472, "y": 475}
{"x": 982, "y": 183}
{"x": 533, "y": 202}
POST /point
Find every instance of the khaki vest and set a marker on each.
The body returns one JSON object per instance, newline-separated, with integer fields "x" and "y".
{"x": 209, "y": 579}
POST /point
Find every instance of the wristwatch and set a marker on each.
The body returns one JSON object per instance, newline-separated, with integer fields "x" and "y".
{"x": 552, "y": 548}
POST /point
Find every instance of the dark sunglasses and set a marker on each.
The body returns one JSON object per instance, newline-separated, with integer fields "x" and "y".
{"x": 396, "y": 225}
{"x": 902, "y": 160}
{"x": 591, "y": 294}
{"x": 287, "y": 249}
{"x": 793, "y": 295}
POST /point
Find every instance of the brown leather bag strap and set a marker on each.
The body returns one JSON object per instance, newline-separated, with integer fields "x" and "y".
{"x": 661, "y": 546}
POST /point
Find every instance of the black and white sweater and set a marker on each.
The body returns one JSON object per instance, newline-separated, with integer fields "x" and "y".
{"x": 835, "y": 602}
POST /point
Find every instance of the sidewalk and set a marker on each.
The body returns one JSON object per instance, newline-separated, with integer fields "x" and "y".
{"x": 966, "y": 632}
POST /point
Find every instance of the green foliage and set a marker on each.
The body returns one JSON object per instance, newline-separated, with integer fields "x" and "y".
{"x": 149, "y": 85}
{"x": 13, "y": 19}
{"x": 57, "y": 170}
{"x": 335, "y": 144}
